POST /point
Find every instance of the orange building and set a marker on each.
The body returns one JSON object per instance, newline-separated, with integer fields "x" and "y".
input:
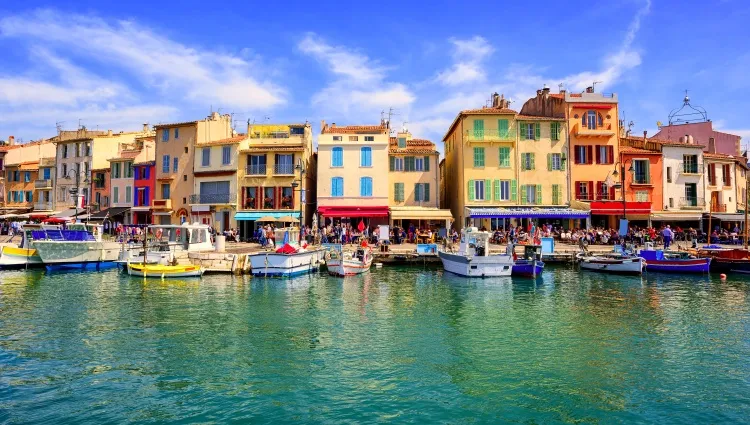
{"x": 643, "y": 181}
{"x": 20, "y": 184}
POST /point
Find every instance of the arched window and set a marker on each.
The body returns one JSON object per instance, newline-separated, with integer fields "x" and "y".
{"x": 601, "y": 121}
{"x": 365, "y": 157}
{"x": 591, "y": 119}
{"x": 337, "y": 157}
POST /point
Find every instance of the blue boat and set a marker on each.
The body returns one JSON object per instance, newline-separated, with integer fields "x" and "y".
{"x": 531, "y": 265}
{"x": 658, "y": 260}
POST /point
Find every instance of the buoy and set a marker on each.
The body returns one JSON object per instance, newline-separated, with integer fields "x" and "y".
{"x": 378, "y": 265}
{"x": 723, "y": 276}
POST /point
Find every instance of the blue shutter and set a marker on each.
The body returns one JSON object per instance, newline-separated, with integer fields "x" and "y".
{"x": 164, "y": 164}
{"x": 175, "y": 165}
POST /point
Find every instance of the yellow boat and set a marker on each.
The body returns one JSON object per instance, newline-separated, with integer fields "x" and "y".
{"x": 159, "y": 271}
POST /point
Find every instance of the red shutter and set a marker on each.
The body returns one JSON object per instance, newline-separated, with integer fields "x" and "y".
{"x": 578, "y": 190}
{"x": 611, "y": 155}
{"x": 612, "y": 193}
{"x": 591, "y": 189}
{"x": 577, "y": 154}
{"x": 729, "y": 175}
{"x": 712, "y": 174}
{"x": 598, "y": 156}
{"x": 598, "y": 195}
{"x": 590, "y": 154}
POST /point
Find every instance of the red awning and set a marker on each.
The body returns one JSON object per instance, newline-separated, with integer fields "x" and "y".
{"x": 353, "y": 211}
{"x": 592, "y": 105}
{"x": 615, "y": 208}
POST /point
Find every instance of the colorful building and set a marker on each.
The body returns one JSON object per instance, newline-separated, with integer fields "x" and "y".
{"x": 272, "y": 158}
{"x": 214, "y": 198}
{"x": 720, "y": 178}
{"x": 100, "y": 186}
{"x": 20, "y": 185}
{"x": 22, "y": 165}
{"x": 45, "y": 183}
{"x": 352, "y": 173}
{"x": 413, "y": 181}
{"x": 643, "y": 178}
{"x": 683, "y": 182}
{"x": 144, "y": 183}
{"x": 122, "y": 177}
{"x": 175, "y": 156}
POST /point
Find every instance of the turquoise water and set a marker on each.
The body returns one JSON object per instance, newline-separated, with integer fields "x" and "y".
{"x": 398, "y": 345}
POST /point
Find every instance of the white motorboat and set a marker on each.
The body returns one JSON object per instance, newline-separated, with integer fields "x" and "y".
{"x": 79, "y": 246}
{"x": 473, "y": 257}
{"x": 340, "y": 263}
{"x": 613, "y": 262}
{"x": 24, "y": 255}
{"x": 288, "y": 259}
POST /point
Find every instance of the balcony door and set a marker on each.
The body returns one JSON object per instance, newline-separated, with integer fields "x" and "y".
{"x": 256, "y": 164}
{"x": 691, "y": 194}
{"x": 715, "y": 201}
{"x": 214, "y": 192}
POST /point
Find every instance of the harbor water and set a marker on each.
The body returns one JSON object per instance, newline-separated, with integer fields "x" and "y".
{"x": 397, "y": 345}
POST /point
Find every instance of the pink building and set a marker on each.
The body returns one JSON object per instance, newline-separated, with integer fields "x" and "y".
{"x": 728, "y": 144}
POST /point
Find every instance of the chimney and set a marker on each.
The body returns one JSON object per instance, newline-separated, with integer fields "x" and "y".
{"x": 545, "y": 90}
{"x": 333, "y": 124}
{"x": 538, "y": 92}
{"x": 145, "y": 127}
{"x": 711, "y": 145}
{"x": 589, "y": 89}
{"x": 11, "y": 140}
{"x": 645, "y": 135}
{"x": 322, "y": 125}
{"x": 109, "y": 132}
{"x": 215, "y": 116}
{"x": 496, "y": 100}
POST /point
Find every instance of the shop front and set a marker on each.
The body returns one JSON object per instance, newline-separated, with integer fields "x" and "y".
{"x": 606, "y": 213}
{"x": 503, "y": 218}
{"x": 249, "y": 221}
{"x": 370, "y": 215}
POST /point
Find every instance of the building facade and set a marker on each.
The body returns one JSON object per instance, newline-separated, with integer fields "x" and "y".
{"x": 23, "y": 189}
{"x": 122, "y": 193}
{"x": 100, "y": 186}
{"x": 144, "y": 183}
{"x": 214, "y": 198}
{"x": 720, "y": 183}
{"x": 45, "y": 183}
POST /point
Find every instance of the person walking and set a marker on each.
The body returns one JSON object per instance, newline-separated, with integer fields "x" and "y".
{"x": 668, "y": 236}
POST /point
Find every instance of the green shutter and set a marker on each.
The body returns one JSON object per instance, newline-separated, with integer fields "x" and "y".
{"x": 488, "y": 190}
{"x": 497, "y": 190}
{"x": 502, "y": 128}
{"x": 554, "y": 129}
{"x": 549, "y": 162}
{"x": 393, "y": 162}
{"x": 504, "y": 157}
{"x": 427, "y": 163}
{"x": 513, "y": 190}
{"x": 426, "y": 192}
{"x": 479, "y": 129}
{"x": 539, "y": 194}
{"x": 537, "y": 131}
{"x": 532, "y": 167}
{"x": 648, "y": 172}
{"x": 471, "y": 190}
{"x": 479, "y": 157}
{"x": 562, "y": 162}
{"x": 523, "y": 194}
{"x": 555, "y": 194}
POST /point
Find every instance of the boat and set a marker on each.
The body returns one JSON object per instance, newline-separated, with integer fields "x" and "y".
{"x": 160, "y": 271}
{"x": 79, "y": 246}
{"x": 611, "y": 262}
{"x": 473, "y": 258}
{"x": 726, "y": 260}
{"x": 288, "y": 258}
{"x": 24, "y": 255}
{"x": 340, "y": 263}
{"x": 659, "y": 260}
{"x": 164, "y": 242}
{"x": 531, "y": 265}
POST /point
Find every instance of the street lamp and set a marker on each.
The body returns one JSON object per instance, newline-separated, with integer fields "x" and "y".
{"x": 74, "y": 190}
{"x": 615, "y": 173}
{"x": 298, "y": 184}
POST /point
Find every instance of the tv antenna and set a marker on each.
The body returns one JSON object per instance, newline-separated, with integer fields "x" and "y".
{"x": 593, "y": 85}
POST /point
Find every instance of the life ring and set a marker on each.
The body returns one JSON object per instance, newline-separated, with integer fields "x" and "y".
{"x": 158, "y": 233}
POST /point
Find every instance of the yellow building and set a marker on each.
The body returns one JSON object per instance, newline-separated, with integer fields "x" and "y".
{"x": 740, "y": 168}
{"x": 29, "y": 176}
{"x": 274, "y": 158}
{"x": 214, "y": 198}
{"x": 413, "y": 181}
{"x": 175, "y": 156}
{"x": 353, "y": 173}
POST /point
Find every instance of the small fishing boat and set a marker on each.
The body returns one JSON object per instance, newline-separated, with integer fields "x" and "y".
{"x": 342, "y": 263}
{"x": 658, "y": 260}
{"x": 726, "y": 260}
{"x": 288, "y": 259}
{"x": 159, "y": 271}
{"x": 612, "y": 262}
{"x": 473, "y": 257}
{"x": 24, "y": 255}
{"x": 531, "y": 265}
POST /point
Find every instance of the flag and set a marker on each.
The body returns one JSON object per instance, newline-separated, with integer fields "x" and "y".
{"x": 286, "y": 238}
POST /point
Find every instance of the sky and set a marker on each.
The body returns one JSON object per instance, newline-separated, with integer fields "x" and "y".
{"x": 116, "y": 65}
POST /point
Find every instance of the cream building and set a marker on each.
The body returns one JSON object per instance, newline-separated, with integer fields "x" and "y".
{"x": 214, "y": 198}
{"x": 720, "y": 183}
{"x": 353, "y": 173}
{"x": 122, "y": 183}
{"x": 683, "y": 182}
{"x": 175, "y": 157}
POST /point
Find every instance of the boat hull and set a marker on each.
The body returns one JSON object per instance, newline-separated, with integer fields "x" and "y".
{"x": 528, "y": 268}
{"x": 273, "y": 264}
{"x": 624, "y": 266}
{"x": 163, "y": 272}
{"x": 76, "y": 254}
{"x": 337, "y": 267}
{"x": 699, "y": 265}
{"x": 477, "y": 266}
{"x": 13, "y": 258}
{"x": 727, "y": 265}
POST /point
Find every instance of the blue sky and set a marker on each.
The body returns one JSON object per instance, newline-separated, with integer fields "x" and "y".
{"x": 115, "y": 65}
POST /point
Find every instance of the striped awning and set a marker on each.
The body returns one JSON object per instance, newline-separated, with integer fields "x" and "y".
{"x": 256, "y": 215}
{"x": 527, "y": 213}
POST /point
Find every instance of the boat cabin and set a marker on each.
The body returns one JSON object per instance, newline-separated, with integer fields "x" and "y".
{"x": 532, "y": 252}
{"x": 95, "y": 230}
{"x": 286, "y": 235}
{"x": 27, "y": 233}
{"x": 190, "y": 237}
{"x": 474, "y": 242}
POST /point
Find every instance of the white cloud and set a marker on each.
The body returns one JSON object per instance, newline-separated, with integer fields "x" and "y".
{"x": 468, "y": 66}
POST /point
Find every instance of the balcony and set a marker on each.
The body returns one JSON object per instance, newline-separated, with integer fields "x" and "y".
{"x": 283, "y": 169}
{"x": 690, "y": 168}
{"x": 43, "y": 184}
{"x": 718, "y": 207}
{"x": 585, "y": 197}
{"x": 256, "y": 170}
{"x": 605, "y": 130}
{"x": 43, "y": 206}
{"x": 161, "y": 204}
{"x": 693, "y": 203}
{"x": 490, "y": 135}
{"x": 213, "y": 198}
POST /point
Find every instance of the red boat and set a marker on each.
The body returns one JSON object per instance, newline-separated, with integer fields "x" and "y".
{"x": 726, "y": 260}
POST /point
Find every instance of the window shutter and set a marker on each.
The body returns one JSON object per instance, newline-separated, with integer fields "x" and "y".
{"x": 488, "y": 190}
{"x": 426, "y": 192}
{"x": 392, "y": 163}
{"x": 502, "y": 127}
{"x": 539, "y": 194}
{"x": 578, "y": 190}
{"x": 427, "y": 163}
{"x": 589, "y": 154}
{"x": 471, "y": 189}
{"x": 612, "y": 193}
{"x": 562, "y": 162}
{"x": 524, "y": 198}
{"x": 537, "y": 131}
{"x": 611, "y": 154}
{"x": 598, "y": 156}
{"x": 532, "y": 165}
{"x": 549, "y": 162}
{"x": 555, "y": 194}
{"x": 513, "y": 190}
{"x": 576, "y": 155}
{"x": 497, "y": 190}
{"x": 648, "y": 171}
{"x": 591, "y": 188}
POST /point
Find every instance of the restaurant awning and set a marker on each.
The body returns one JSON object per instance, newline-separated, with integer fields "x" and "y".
{"x": 616, "y": 208}
{"x": 109, "y": 212}
{"x": 257, "y": 215}
{"x": 72, "y": 212}
{"x": 527, "y": 213}
{"x": 420, "y": 213}
{"x": 675, "y": 216}
{"x": 353, "y": 211}
{"x": 727, "y": 216}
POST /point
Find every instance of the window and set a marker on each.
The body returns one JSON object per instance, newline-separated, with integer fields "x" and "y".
{"x": 398, "y": 192}
{"x": 712, "y": 174}
{"x": 17, "y": 175}
{"x": 602, "y": 191}
{"x": 641, "y": 196}
{"x": 531, "y": 194}
{"x": 419, "y": 164}
{"x": 46, "y": 173}
{"x": 226, "y": 155}
{"x": 422, "y": 192}
{"x": 205, "y": 157}
{"x": 337, "y": 157}
{"x": 671, "y": 202}
{"x": 165, "y": 163}
{"x": 128, "y": 194}
{"x": 99, "y": 181}
{"x": 478, "y": 156}
{"x": 640, "y": 171}
{"x": 26, "y": 176}
{"x": 128, "y": 169}
{"x": 369, "y": 138}
{"x": 165, "y": 135}
{"x": 528, "y": 130}
{"x": 583, "y": 154}
{"x": 502, "y": 190}
{"x": 137, "y": 173}
{"x": 116, "y": 170}
{"x": 353, "y": 138}
{"x": 690, "y": 164}
{"x": 176, "y": 133}
{"x": 556, "y": 194}
{"x": 478, "y": 129}
{"x": 284, "y": 164}
{"x": 476, "y": 190}
{"x": 256, "y": 165}
{"x": 502, "y": 129}
{"x": 78, "y": 150}
{"x": 64, "y": 171}
{"x": 337, "y": 186}
{"x": 554, "y": 130}
{"x": 726, "y": 174}
{"x": 116, "y": 194}
{"x": 554, "y": 162}
{"x": 691, "y": 194}
{"x": 65, "y": 151}
{"x": 165, "y": 191}
{"x": 583, "y": 190}
{"x": 365, "y": 157}
{"x": 87, "y": 146}
{"x": 527, "y": 161}
{"x": 402, "y": 142}
{"x": 337, "y": 138}
{"x": 175, "y": 164}
{"x": 287, "y": 198}
{"x": 30, "y": 196}
{"x": 590, "y": 120}
{"x": 504, "y": 160}
{"x": 365, "y": 186}
{"x": 605, "y": 154}
{"x": 186, "y": 149}
{"x": 669, "y": 174}
{"x": 397, "y": 163}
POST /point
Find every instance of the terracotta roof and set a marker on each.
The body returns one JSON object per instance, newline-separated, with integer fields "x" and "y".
{"x": 421, "y": 146}
{"x": 535, "y": 118}
{"x": 489, "y": 111}
{"x": 352, "y": 129}
{"x": 558, "y": 95}
{"x": 125, "y": 156}
{"x": 152, "y": 162}
{"x": 629, "y": 149}
{"x": 228, "y": 141}
{"x": 273, "y": 149}
{"x": 176, "y": 124}
{"x": 717, "y": 155}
